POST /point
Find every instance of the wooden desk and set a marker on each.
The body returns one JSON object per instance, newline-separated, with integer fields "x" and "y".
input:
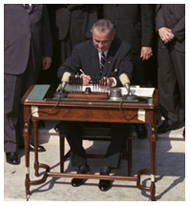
{"x": 92, "y": 111}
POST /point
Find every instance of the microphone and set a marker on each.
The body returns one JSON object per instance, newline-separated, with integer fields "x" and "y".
{"x": 126, "y": 83}
{"x": 65, "y": 80}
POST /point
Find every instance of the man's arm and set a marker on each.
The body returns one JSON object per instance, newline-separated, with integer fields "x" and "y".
{"x": 126, "y": 64}
{"x": 179, "y": 29}
{"x": 72, "y": 64}
{"x": 147, "y": 20}
{"x": 46, "y": 39}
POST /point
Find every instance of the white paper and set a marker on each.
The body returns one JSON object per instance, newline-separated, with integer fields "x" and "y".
{"x": 141, "y": 115}
{"x": 139, "y": 91}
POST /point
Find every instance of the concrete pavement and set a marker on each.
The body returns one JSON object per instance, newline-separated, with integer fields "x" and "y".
{"x": 170, "y": 178}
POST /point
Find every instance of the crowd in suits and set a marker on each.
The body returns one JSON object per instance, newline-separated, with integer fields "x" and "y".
{"x": 46, "y": 35}
{"x": 27, "y": 50}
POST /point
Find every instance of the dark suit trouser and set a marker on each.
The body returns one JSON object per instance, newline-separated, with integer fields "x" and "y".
{"x": 73, "y": 131}
{"x": 139, "y": 70}
{"x": 171, "y": 82}
{"x": 14, "y": 88}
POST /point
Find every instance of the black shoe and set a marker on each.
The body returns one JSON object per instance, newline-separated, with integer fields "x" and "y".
{"x": 164, "y": 127}
{"x": 12, "y": 158}
{"x": 84, "y": 169}
{"x": 40, "y": 148}
{"x": 58, "y": 126}
{"x": 141, "y": 131}
{"x": 105, "y": 185}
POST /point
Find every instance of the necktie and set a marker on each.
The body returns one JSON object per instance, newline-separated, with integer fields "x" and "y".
{"x": 102, "y": 62}
{"x": 28, "y": 7}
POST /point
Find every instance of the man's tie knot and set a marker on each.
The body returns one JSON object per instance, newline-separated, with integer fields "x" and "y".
{"x": 28, "y": 7}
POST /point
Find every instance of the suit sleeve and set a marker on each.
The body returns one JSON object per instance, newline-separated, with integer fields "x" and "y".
{"x": 126, "y": 65}
{"x": 147, "y": 18}
{"x": 46, "y": 34}
{"x": 179, "y": 29}
{"x": 72, "y": 64}
{"x": 159, "y": 21}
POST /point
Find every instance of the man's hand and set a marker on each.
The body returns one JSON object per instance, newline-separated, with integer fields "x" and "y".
{"x": 108, "y": 81}
{"x": 146, "y": 53}
{"x": 46, "y": 63}
{"x": 85, "y": 79}
{"x": 165, "y": 34}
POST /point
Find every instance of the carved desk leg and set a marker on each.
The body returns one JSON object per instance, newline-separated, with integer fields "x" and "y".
{"x": 26, "y": 134}
{"x": 36, "y": 162}
{"x": 153, "y": 139}
{"x": 62, "y": 150}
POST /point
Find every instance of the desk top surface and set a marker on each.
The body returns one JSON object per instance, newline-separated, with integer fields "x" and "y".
{"x": 36, "y": 93}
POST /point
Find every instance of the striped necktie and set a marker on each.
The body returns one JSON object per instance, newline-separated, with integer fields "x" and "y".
{"x": 28, "y": 7}
{"x": 102, "y": 62}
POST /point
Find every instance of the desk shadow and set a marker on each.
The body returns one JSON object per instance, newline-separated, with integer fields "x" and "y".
{"x": 167, "y": 163}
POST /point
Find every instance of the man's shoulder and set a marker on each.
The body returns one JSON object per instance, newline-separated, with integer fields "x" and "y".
{"x": 84, "y": 44}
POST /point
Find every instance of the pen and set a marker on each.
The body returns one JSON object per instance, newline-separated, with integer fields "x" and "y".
{"x": 81, "y": 71}
{"x": 84, "y": 73}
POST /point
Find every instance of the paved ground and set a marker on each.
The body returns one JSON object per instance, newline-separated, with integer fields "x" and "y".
{"x": 170, "y": 178}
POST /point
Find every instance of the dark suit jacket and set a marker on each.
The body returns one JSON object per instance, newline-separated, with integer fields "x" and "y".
{"x": 85, "y": 56}
{"x": 20, "y": 29}
{"x": 60, "y": 16}
{"x": 173, "y": 17}
{"x": 134, "y": 23}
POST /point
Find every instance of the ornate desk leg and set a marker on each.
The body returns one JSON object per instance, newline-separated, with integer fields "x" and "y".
{"x": 62, "y": 150}
{"x": 26, "y": 134}
{"x": 153, "y": 139}
{"x": 36, "y": 162}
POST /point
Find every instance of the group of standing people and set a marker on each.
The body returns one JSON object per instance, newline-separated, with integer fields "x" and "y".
{"x": 37, "y": 36}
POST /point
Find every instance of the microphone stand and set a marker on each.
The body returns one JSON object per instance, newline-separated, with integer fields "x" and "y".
{"x": 62, "y": 93}
{"x": 130, "y": 96}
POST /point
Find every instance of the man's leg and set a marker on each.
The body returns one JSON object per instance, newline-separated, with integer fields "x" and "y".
{"x": 13, "y": 85}
{"x": 167, "y": 84}
{"x": 73, "y": 132}
{"x": 12, "y": 95}
{"x": 119, "y": 134}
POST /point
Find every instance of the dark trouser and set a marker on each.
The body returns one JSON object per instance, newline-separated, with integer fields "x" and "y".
{"x": 14, "y": 88}
{"x": 73, "y": 132}
{"x": 171, "y": 82}
{"x": 139, "y": 71}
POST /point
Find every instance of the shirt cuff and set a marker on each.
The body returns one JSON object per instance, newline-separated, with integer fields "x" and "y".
{"x": 115, "y": 82}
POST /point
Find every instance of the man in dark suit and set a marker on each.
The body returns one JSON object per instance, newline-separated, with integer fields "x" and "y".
{"x": 118, "y": 60}
{"x": 27, "y": 49}
{"x": 134, "y": 24}
{"x": 70, "y": 24}
{"x": 170, "y": 24}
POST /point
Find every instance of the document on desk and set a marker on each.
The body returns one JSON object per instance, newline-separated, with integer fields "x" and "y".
{"x": 139, "y": 91}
